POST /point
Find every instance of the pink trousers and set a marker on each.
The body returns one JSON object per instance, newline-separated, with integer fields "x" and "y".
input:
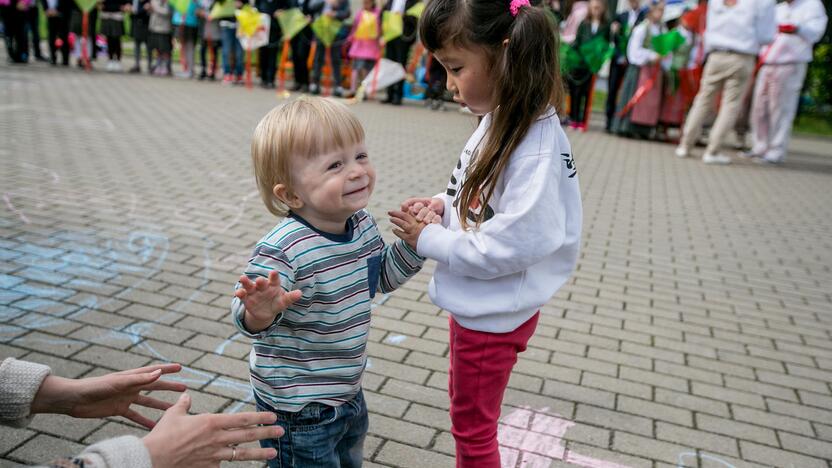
{"x": 481, "y": 365}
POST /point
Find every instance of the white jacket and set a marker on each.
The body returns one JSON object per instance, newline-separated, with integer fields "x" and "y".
{"x": 810, "y": 18}
{"x": 496, "y": 277}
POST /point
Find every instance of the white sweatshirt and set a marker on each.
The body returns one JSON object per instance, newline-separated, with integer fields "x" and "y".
{"x": 494, "y": 278}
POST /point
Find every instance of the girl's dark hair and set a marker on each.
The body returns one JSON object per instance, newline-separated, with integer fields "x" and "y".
{"x": 526, "y": 76}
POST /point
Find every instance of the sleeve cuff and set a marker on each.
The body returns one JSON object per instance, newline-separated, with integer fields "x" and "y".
{"x": 120, "y": 451}
{"x": 238, "y": 310}
{"x": 20, "y": 383}
{"x": 435, "y": 243}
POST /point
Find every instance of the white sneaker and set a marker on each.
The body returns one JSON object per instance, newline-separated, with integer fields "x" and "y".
{"x": 748, "y": 154}
{"x": 109, "y": 67}
{"x": 116, "y": 66}
{"x": 708, "y": 158}
{"x": 682, "y": 152}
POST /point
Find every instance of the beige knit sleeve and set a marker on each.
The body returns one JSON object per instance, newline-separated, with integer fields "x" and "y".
{"x": 19, "y": 383}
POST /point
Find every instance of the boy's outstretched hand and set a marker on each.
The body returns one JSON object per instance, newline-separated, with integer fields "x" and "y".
{"x": 264, "y": 300}
{"x": 408, "y": 227}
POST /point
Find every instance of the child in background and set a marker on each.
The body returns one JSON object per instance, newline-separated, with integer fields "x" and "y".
{"x": 595, "y": 25}
{"x": 209, "y": 35}
{"x": 112, "y": 27}
{"x": 186, "y": 30}
{"x": 160, "y": 36}
{"x": 640, "y": 118}
{"x": 511, "y": 215}
{"x": 140, "y": 18}
{"x": 306, "y": 293}
{"x": 339, "y": 10}
{"x": 267, "y": 59}
{"x": 366, "y": 43}
{"x": 223, "y": 12}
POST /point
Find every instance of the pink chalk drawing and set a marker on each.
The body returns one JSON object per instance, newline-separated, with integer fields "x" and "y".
{"x": 534, "y": 439}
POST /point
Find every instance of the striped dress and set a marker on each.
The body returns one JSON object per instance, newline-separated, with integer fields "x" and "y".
{"x": 316, "y": 350}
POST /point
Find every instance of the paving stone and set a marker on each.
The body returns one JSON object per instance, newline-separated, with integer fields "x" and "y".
{"x": 696, "y": 294}
{"x": 653, "y": 410}
{"x": 11, "y": 437}
{"x": 43, "y": 448}
{"x": 406, "y": 456}
{"x": 647, "y": 447}
{"x": 400, "y": 431}
{"x": 65, "y": 427}
{"x": 614, "y": 420}
{"x": 768, "y": 455}
{"x": 706, "y": 441}
{"x": 806, "y": 445}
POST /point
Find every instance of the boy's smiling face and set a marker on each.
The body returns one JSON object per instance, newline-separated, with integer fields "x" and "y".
{"x": 329, "y": 188}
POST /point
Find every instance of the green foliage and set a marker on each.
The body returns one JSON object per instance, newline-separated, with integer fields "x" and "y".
{"x": 818, "y": 97}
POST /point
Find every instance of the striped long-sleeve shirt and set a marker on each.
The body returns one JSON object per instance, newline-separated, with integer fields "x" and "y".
{"x": 315, "y": 351}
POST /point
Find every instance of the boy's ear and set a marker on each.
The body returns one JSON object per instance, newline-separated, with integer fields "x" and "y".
{"x": 286, "y": 196}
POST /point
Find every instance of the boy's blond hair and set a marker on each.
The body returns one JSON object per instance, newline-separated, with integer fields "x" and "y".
{"x": 306, "y": 127}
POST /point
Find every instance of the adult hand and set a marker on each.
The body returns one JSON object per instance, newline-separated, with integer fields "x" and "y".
{"x": 264, "y": 300}
{"x": 204, "y": 440}
{"x": 51, "y": 12}
{"x": 615, "y": 27}
{"x": 108, "y": 395}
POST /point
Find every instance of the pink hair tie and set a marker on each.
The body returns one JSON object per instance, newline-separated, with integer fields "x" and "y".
{"x": 514, "y": 6}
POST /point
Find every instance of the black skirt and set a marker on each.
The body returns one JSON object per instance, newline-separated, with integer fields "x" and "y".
{"x": 140, "y": 31}
{"x": 112, "y": 27}
{"x": 160, "y": 42}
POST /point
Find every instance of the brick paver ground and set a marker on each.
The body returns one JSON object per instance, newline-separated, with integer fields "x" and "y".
{"x": 695, "y": 332}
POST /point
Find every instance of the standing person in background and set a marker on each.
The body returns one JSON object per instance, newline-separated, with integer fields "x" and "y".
{"x": 33, "y": 25}
{"x": 340, "y": 10}
{"x": 76, "y": 26}
{"x": 366, "y": 46}
{"x": 398, "y": 49}
{"x": 223, "y": 12}
{"x": 57, "y": 22}
{"x": 209, "y": 36}
{"x": 187, "y": 27}
{"x": 268, "y": 53}
{"x": 621, "y": 29}
{"x": 801, "y": 23}
{"x": 302, "y": 42}
{"x": 580, "y": 80}
{"x": 736, "y": 29}
{"x": 575, "y": 16}
{"x": 112, "y": 27}
{"x": 14, "y": 16}
{"x": 140, "y": 19}
{"x": 160, "y": 36}
{"x": 639, "y": 118}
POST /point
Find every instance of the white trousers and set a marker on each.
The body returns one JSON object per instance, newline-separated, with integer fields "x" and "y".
{"x": 776, "y": 94}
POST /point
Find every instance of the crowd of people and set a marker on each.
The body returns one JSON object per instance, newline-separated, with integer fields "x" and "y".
{"x": 677, "y": 65}
{"x": 666, "y": 59}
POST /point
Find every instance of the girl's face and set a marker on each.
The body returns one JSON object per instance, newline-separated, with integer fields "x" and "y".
{"x": 468, "y": 77}
{"x": 369, "y": 4}
{"x": 656, "y": 14}
{"x": 596, "y": 9}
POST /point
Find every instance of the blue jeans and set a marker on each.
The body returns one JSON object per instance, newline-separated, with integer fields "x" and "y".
{"x": 320, "y": 435}
{"x": 229, "y": 42}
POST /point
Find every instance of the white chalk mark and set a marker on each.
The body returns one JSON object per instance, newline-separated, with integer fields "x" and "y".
{"x": 535, "y": 437}
{"x": 395, "y": 339}
{"x": 14, "y": 210}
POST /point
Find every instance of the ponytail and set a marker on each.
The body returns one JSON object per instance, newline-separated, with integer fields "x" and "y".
{"x": 524, "y": 61}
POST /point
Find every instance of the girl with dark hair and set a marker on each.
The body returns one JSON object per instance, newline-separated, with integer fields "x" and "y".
{"x": 511, "y": 215}
{"x": 579, "y": 79}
